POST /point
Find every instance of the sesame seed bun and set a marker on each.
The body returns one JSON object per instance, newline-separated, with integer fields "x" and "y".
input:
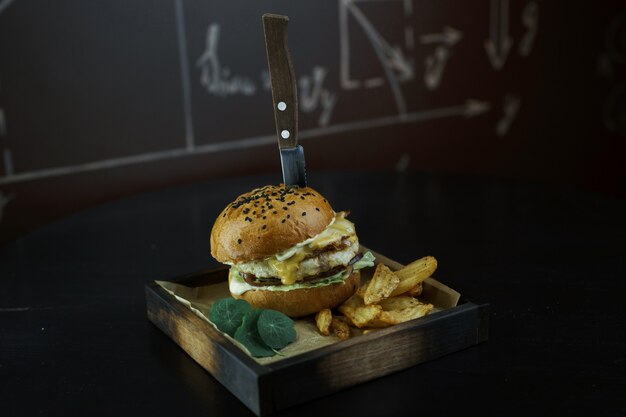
{"x": 303, "y": 301}
{"x": 267, "y": 221}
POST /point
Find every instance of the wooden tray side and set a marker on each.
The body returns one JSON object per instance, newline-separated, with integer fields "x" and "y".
{"x": 275, "y": 386}
{"x": 239, "y": 373}
{"x": 345, "y": 364}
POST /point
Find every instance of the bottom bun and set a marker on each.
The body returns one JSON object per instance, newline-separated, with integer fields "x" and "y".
{"x": 303, "y": 301}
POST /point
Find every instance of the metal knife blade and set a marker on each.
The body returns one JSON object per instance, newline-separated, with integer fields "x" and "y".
{"x": 285, "y": 99}
{"x": 292, "y": 161}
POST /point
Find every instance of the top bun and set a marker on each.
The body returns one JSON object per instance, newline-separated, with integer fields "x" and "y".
{"x": 267, "y": 221}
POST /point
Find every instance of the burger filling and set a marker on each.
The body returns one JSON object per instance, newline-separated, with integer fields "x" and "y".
{"x": 325, "y": 259}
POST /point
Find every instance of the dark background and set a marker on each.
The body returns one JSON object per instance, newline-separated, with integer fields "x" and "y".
{"x": 101, "y": 100}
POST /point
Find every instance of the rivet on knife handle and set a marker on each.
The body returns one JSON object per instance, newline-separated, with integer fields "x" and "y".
{"x": 282, "y": 79}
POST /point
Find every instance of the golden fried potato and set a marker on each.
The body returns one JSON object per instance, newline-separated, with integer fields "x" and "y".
{"x": 383, "y": 283}
{"x": 399, "y": 303}
{"x": 415, "y": 291}
{"x": 405, "y": 314}
{"x": 414, "y": 273}
{"x": 361, "y": 316}
{"x": 377, "y": 323}
{"x": 361, "y": 291}
{"x": 340, "y": 328}
{"x": 322, "y": 320}
{"x": 355, "y": 301}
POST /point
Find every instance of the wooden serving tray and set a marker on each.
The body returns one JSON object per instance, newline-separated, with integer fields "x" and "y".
{"x": 266, "y": 388}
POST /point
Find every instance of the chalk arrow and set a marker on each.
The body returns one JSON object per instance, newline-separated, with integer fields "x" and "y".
{"x": 499, "y": 43}
{"x": 448, "y": 36}
{"x": 400, "y": 64}
{"x": 475, "y": 108}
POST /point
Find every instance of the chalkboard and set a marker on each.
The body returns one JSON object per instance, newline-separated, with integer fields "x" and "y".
{"x": 100, "y": 100}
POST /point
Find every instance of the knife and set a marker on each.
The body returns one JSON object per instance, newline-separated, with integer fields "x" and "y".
{"x": 285, "y": 99}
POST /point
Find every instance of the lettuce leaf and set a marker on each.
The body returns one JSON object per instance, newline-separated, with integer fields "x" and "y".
{"x": 366, "y": 261}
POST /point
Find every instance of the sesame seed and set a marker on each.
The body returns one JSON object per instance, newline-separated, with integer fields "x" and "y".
{"x": 239, "y": 241}
{"x": 264, "y": 226}
{"x": 264, "y": 217}
{"x": 274, "y": 212}
{"x": 304, "y": 213}
{"x": 285, "y": 208}
{"x": 289, "y": 215}
{"x": 317, "y": 209}
{"x": 282, "y": 221}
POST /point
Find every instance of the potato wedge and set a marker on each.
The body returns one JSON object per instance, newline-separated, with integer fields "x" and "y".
{"x": 361, "y": 316}
{"x": 361, "y": 291}
{"x": 383, "y": 283}
{"x": 415, "y": 291}
{"x": 399, "y": 303}
{"x": 355, "y": 301}
{"x": 340, "y": 328}
{"x": 322, "y": 320}
{"x": 406, "y": 314}
{"x": 414, "y": 273}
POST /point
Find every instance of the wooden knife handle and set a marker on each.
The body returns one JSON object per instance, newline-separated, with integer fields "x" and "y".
{"x": 282, "y": 78}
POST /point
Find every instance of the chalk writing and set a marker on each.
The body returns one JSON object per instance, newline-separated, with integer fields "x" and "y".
{"x": 436, "y": 62}
{"x": 218, "y": 80}
{"x": 312, "y": 95}
{"x": 510, "y": 108}
{"x": 530, "y": 20}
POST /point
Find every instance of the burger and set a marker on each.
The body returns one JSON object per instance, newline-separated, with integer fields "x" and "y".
{"x": 288, "y": 250}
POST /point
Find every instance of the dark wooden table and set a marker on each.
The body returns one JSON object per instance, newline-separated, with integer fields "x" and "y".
{"x": 74, "y": 338}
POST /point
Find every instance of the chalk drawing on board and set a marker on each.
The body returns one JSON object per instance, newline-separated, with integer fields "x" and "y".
{"x": 530, "y": 20}
{"x": 183, "y": 57}
{"x": 313, "y": 95}
{"x": 499, "y": 43}
{"x": 215, "y": 78}
{"x": 470, "y": 108}
{"x": 510, "y": 109}
{"x": 395, "y": 65}
{"x": 435, "y": 63}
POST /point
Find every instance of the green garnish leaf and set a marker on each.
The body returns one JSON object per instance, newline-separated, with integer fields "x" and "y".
{"x": 248, "y": 335}
{"x": 227, "y": 314}
{"x": 276, "y": 329}
{"x": 366, "y": 261}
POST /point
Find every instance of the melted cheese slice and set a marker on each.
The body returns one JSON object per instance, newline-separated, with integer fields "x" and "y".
{"x": 285, "y": 264}
{"x": 286, "y": 270}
